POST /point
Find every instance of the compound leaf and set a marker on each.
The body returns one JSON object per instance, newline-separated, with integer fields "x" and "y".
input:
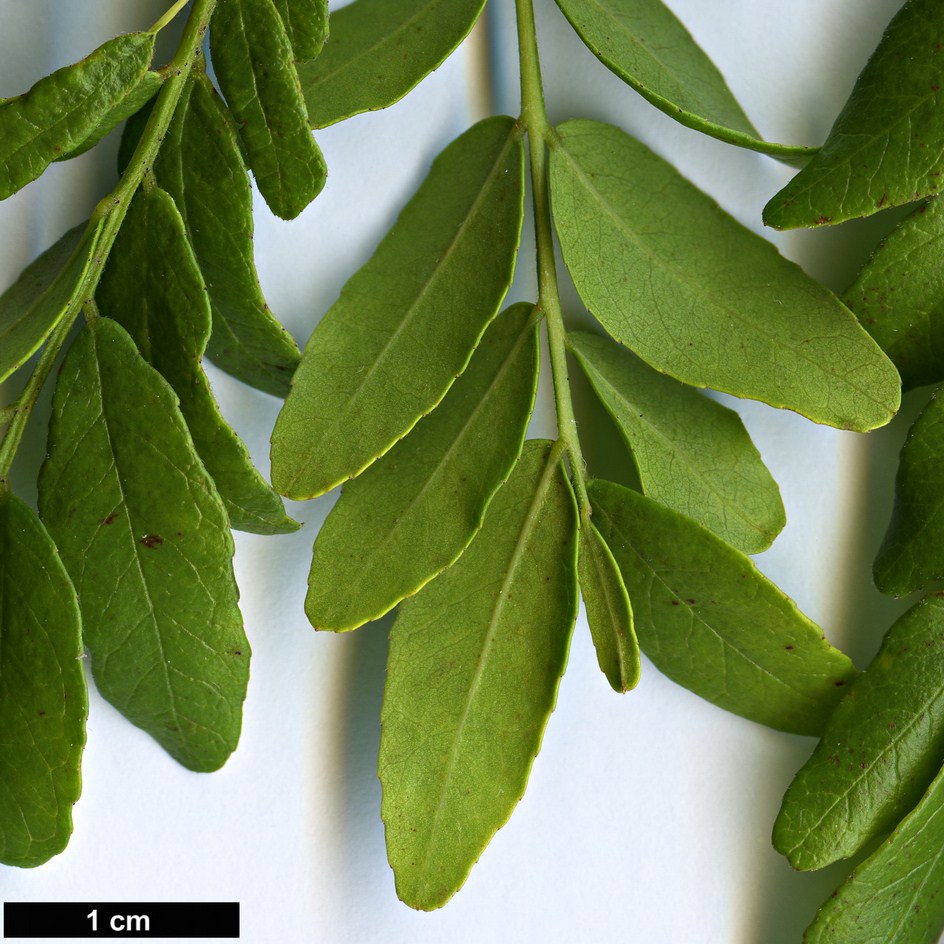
{"x": 885, "y": 147}
{"x": 43, "y": 698}
{"x": 609, "y": 613}
{"x": 698, "y": 296}
{"x": 379, "y": 51}
{"x": 146, "y": 541}
{"x": 42, "y": 295}
{"x": 894, "y": 896}
{"x": 692, "y": 453}
{"x": 62, "y": 111}
{"x": 912, "y": 554}
{"x": 899, "y": 295}
{"x": 153, "y": 288}
{"x": 881, "y": 749}
{"x": 406, "y": 324}
{"x": 306, "y": 24}
{"x": 413, "y": 512}
{"x": 712, "y": 622}
{"x": 255, "y": 66}
{"x": 199, "y": 160}
{"x": 475, "y": 661}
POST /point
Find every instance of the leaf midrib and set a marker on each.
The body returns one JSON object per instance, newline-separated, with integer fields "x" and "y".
{"x": 871, "y": 141}
{"x": 306, "y": 457}
{"x": 367, "y": 52}
{"x": 677, "y": 274}
{"x": 364, "y": 564}
{"x": 528, "y": 525}
{"x": 674, "y": 450}
{"x": 127, "y": 516}
{"x": 696, "y": 617}
{"x": 923, "y": 709}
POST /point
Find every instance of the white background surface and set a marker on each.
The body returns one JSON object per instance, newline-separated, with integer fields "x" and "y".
{"x": 648, "y": 815}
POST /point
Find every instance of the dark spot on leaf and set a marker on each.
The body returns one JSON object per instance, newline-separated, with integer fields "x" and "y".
{"x": 690, "y": 601}
{"x": 789, "y": 648}
{"x": 237, "y": 652}
{"x": 152, "y": 541}
{"x": 110, "y": 518}
{"x": 822, "y": 220}
{"x": 935, "y": 88}
{"x": 883, "y": 200}
{"x": 676, "y": 602}
{"x": 839, "y": 684}
{"x": 42, "y": 714}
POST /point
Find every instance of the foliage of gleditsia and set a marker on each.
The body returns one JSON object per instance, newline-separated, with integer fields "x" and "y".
{"x": 416, "y": 393}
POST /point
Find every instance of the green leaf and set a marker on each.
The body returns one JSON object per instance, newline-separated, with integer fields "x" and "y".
{"x": 692, "y": 453}
{"x": 475, "y": 662}
{"x": 255, "y": 67}
{"x": 609, "y": 613}
{"x": 306, "y": 23}
{"x": 894, "y": 897}
{"x": 146, "y": 541}
{"x": 643, "y": 43}
{"x": 406, "y": 324}
{"x": 881, "y": 748}
{"x": 885, "y": 147}
{"x": 132, "y": 103}
{"x": 414, "y": 511}
{"x": 899, "y": 295}
{"x": 42, "y": 295}
{"x": 64, "y": 109}
{"x": 698, "y": 296}
{"x": 379, "y": 51}
{"x": 912, "y": 554}
{"x": 43, "y": 698}
{"x": 712, "y": 622}
{"x": 199, "y": 160}
{"x": 153, "y": 288}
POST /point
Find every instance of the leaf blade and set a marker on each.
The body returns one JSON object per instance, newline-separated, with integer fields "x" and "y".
{"x": 152, "y": 566}
{"x": 42, "y": 295}
{"x": 379, "y": 51}
{"x": 712, "y": 622}
{"x": 646, "y": 45}
{"x": 200, "y": 158}
{"x": 692, "y": 454}
{"x": 609, "y": 613}
{"x": 910, "y": 556}
{"x": 43, "y": 697}
{"x": 406, "y": 324}
{"x": 884, "y": 148}
{"x": 674, "y": 279}
{"x": 248, "y": 38}
{"x": 898, "y": 296}
{"x": 880, "y": 751}
{"x": 413, "y": 512}
{"x": 435, "y": 827}
{"x": 153, "y": 287}
{"x": 61, "y": 111}
{"x": 306, "y": 23}
{"x": 894, "y": 896}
